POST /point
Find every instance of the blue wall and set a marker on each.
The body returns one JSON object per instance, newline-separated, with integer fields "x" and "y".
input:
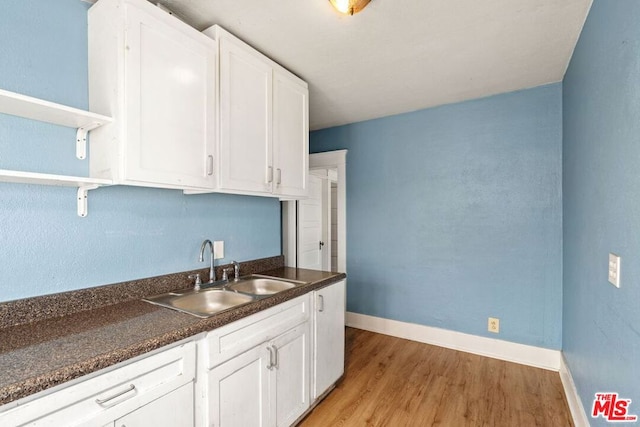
{"x": 454, "y": 214}
{"x": 130, "y": 232}
{"x": 601, "y": 184}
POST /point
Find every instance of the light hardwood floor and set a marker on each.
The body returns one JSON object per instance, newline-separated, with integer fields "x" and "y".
{"x": 394, "y": 382}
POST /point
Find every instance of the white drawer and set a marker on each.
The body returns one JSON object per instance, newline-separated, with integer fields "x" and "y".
{"x": 108, "y": 396}
{"x": 237, "y": 337}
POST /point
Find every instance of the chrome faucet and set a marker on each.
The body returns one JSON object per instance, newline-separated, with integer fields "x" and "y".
{"x": 236, "y": 270}
{"x": 212, "y": 272}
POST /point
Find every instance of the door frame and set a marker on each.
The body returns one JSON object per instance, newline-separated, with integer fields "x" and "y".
{"x": 328, "y": 160}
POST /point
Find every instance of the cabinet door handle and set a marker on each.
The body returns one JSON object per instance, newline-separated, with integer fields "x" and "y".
{"x": 127, "y": 390}
{"x": 270, "y": 365}
{"x": 209, "y": 165}
{"x": 279, "y": 180}
{"x": 277, "y": 364}
{"x": 320, "y": 303}
{"x": 270, "y": 174}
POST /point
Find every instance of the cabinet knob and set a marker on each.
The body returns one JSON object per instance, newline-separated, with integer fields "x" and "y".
{"x": 320, "y": 303}
{"x": 279, "y": 174}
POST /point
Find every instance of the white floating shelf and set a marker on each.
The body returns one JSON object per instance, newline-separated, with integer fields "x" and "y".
{"x": 83, "y": 184}
{"x": 46, "y": 111}
{"x": 21, "y": 177}
{"x": 50, "y": 112}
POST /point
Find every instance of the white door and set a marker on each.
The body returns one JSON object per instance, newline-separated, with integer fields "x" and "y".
{"x": 245, "y": 118}
{"x": 239, "y": 390}
{"x": 290, "y": 135}
{"x": 328, "y": 364}
{"x": 291, "y": 372}
{"x": 310, "y": 215}
{"x": 170, "y": 101}
{"x": 171, "y": 410}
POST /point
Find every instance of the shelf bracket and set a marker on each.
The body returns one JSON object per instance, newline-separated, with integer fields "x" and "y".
{"x": 81, "y": 139}
{"x": 82, "y": 198}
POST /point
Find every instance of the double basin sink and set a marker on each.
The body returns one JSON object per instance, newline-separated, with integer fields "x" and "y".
{"x": 209, "y": 301}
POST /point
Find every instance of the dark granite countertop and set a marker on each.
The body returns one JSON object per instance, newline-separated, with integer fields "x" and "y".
{"x": 49, "y": 351}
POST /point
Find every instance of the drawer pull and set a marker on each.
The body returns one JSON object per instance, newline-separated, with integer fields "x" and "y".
{"x": 277, "y": 364}
{"x": 320, "y": 303}
{"x": 103, "y": 401}
{"x": 270, "y": 365}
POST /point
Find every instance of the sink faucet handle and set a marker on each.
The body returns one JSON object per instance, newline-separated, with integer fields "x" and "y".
{"x": 236, "y": 270}
{"x": 198, "y": 281}
{"x": 225, "y": 273}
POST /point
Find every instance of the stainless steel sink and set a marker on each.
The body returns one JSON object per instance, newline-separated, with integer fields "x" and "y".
{"x": 203, "y": 303}
{"x": 261, "y": 286}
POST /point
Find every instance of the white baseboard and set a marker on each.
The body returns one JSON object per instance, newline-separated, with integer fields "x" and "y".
{"x": 498, "y": 349}
{"x": 580, "y": 418}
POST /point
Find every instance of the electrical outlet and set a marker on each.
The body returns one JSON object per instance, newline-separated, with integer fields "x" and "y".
{"x": 218, "y": 249}
{"x": 614, "y": 270}
{"x": 494, "y": 325}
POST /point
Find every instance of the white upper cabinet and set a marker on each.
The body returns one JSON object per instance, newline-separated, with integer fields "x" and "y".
{"x": 264, "y": 123}
{"x": 157, "y": 77}
{"x": 290, "y": 135}
{"x": 245, "y": 118}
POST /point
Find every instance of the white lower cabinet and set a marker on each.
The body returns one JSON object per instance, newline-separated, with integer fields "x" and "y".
{"x": 174, "y": 409}
{"x": 328, "y": 333}
{"x": 265, "y": 386}
{"x": 239, "y": 390}
{"x": 290, "y": 375}
{"x": 152, "y": 388}
{"x": 267, "y": 369}
{"x": 258, "y": 371}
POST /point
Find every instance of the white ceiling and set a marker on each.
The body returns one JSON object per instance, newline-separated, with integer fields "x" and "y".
{"x": 398, "y": 56}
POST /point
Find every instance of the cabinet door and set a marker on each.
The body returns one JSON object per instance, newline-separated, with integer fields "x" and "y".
{"x": 290, "y": 135}
{"x": 170, "y": 102}
{"x": 245, "y": 118}
{"x": 291, "y": 371}
{"x": 171, "y": 410}
{"x": 239, "y": 390}
{"x": 329, "y": 311}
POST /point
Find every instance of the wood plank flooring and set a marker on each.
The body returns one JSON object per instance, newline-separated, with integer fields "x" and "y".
{"x": 394, "y": 382}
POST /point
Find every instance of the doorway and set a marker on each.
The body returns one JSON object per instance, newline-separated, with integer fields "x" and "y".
{"x": 314, "y": 230}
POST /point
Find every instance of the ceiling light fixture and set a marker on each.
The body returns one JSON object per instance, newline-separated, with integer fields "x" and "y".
{"x": 349, "y": 6}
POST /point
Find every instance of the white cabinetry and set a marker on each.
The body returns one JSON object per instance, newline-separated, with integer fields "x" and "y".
{"x": 175, "y": 409}
{"x": 238, "y": 390}
{"x": 264, "y": 123}
{"x": 153, "y": 385}
{"x": 290, "y": 135}
{"x": 258, "y": 369}
{"x": 290, "y": 375}
{"x": 156, "y": 76}
{"x": 328, "y": 332}
{"x": 245, "y": 116}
